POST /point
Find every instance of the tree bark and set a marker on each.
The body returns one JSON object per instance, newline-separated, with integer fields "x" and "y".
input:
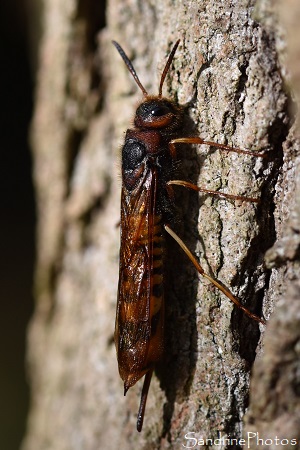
{"x": 229, "y": 72}
{"x": 274, "y": 396}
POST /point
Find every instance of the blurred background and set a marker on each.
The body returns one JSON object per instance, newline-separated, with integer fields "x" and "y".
{"x": 17, "y": 217}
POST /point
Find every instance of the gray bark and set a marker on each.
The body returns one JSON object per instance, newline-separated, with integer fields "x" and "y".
{"x": 274, "y": 396}
{"x": 231, "y": 71}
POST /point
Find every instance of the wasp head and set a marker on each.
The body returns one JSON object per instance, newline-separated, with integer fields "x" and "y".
{"x": 160, "y": 113}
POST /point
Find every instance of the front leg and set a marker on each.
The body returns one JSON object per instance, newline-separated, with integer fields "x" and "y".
{"x": 199, "y": 140}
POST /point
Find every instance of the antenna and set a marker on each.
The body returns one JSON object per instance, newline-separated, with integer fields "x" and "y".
{"x": 130, "y": 67}
{"x": 167, "y": 67}
{"x": 134, "y": 74}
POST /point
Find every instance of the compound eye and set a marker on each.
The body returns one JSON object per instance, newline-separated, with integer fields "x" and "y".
{"x": 154, "y": 113}
{"x": 160, "y": 110}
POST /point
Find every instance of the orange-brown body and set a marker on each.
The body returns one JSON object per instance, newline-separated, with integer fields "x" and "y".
{"x": 140, "y": 313}
{"x": 148, "y": 163}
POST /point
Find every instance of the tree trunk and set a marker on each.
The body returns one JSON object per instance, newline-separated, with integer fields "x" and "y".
{"x": 228, "y": 72}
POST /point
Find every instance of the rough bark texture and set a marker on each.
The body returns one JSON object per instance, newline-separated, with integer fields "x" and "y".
{"x": 275, "y": 397}
{"x": 229, "y": 71}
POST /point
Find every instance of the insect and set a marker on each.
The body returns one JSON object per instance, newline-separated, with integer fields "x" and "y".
{"x": 147, "y": 204}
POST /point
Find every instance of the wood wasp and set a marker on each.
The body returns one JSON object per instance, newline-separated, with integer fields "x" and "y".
{"x": 147, "y": 204}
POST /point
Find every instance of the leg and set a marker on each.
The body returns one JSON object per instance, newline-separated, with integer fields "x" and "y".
{"x": 216, "y": 283}
{"x": 189, "y": 185}
{"x": 198, "y": 140}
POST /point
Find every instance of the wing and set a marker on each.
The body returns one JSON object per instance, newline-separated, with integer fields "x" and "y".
{"x": 139, "y": 318}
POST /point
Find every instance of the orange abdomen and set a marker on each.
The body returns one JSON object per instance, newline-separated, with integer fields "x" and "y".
{"x": 140, "y": 317}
